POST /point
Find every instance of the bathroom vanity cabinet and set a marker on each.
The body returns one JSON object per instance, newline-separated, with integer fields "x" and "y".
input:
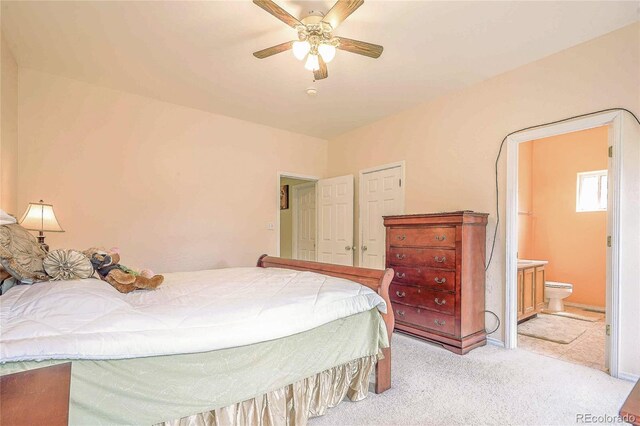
{"x": 530, "y": 288}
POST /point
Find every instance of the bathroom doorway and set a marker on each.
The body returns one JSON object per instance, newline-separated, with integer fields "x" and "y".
{"x": 562, "y": 251}
{"x": 623, "y": 233}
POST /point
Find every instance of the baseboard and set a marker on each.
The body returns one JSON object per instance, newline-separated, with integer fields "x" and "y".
{"x": 495, "y": 342}
{"x": 586, "y": 307}
{"x": 628, "y": 376}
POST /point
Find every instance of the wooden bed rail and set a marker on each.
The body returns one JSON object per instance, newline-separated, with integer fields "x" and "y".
{"x": 377, "y": 280}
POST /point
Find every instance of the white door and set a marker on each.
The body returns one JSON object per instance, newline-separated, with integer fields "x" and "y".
{"x": 381, "y": 194}
{"x": 304, "y": 221}
{"x": 335, "y": 220}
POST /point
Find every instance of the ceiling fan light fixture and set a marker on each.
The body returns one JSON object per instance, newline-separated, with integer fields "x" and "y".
{"x": 327, "y": 51}
{"x": 300, "y": 49}
{"x": 312, "y": 63}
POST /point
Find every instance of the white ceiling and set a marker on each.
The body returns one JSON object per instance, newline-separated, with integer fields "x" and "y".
{"x": 198, "y": 53}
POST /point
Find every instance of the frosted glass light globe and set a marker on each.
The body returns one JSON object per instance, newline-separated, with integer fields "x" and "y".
{"x": 327, "y": 51}
{"x": 312, "y": 63}
{"x": 300, "y": 49}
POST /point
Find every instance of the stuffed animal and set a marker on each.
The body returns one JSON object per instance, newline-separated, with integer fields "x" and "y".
{"x": 125, "y": 280}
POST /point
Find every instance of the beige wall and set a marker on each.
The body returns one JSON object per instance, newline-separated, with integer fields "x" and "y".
{"x": 450, "y": 144}
{"x": 175, "y": 188}
{"x": 573, "y": 242}
{"x": 8, "y": 130}
{"x": 286, "y": 220}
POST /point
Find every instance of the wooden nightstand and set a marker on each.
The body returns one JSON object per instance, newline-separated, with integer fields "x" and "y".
{"x": 39, "y": 396}
{"x": 630, "y": 410}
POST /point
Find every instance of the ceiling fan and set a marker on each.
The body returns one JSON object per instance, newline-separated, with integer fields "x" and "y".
{"x": 315, "y": 40}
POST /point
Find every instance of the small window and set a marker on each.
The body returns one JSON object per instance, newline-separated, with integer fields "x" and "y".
{"x": 592, "y": 191}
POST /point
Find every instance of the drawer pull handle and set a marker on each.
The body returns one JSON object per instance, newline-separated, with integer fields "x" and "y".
{"x": 440, "y": 302}
{"x": 440, "y": 280}
{"x": 440, "y": 237}
{"x": 439, "y": 259}
{"x": 402, "y": 237}
{"x": 439, "y": 323}
{"x": 400, "y": 313}
{"x": 400, "y": 275}
{"x": 400, "y": 293}
{"x": 400, "y": 256}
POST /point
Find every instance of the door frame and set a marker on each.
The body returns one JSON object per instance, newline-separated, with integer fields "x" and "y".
{"x": 291, "y": 175}
{"x": 294, "y": 217}
{"x": 614, "y": 121}
{"x": 403, "y": 186}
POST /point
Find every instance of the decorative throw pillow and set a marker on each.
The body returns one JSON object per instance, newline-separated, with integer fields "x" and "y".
{"x": 67, "y": 265}
{"x": 21, "y": 254}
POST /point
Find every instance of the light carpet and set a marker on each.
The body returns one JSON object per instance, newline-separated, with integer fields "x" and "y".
{"x": 553, "y": 328}
{"x": 488, "y": 386}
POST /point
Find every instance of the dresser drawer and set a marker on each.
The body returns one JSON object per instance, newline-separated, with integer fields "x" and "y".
{"x": 424, "y": 298}
{"x": 435, "y": 278}
{"x": 432, "y": 258}
{"x": 420, "y": 317}
{"x": 423, "y": 237}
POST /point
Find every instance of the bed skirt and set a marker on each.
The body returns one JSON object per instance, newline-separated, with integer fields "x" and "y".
{"x": 294, "y": 404}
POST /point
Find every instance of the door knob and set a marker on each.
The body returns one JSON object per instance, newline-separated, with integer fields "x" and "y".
{"x": 347, "y": 248}
{"x": 364, "y": 248}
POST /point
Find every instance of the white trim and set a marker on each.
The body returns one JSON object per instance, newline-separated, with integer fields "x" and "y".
{"x": 614, "y": 120}
{"x": 494, "y": 341}
{"x": 374, "y": 169}
{"x": 592, "y": 308}
{"x": 294, "y": 217}
{"x": 628, "y": 376}
{"x": 281, "y": 175}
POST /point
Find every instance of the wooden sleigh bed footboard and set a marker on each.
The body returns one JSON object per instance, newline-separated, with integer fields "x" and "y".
{"x": 377, "y": 280}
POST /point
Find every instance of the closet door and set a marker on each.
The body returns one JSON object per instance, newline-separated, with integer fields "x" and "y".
{"x": 334, "y": 205}
{"x": 380, "y": 195}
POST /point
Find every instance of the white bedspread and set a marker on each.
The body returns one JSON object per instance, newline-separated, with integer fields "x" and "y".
{"x": 190, "y": 312}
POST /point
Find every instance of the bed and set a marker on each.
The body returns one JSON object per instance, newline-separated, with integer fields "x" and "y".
{"x": 276, "y": 344}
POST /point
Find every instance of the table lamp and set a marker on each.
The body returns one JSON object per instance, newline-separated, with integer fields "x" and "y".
{"x": 40, "y": 217}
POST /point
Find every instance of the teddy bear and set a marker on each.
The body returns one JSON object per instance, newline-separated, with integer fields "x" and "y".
{"x": 123, "y": 279}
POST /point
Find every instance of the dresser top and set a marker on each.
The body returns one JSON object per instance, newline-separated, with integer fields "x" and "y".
{"x": 462, "y": 216}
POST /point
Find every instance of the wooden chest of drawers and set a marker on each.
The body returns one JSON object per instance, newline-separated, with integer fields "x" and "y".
{"x": 439, "y": 284}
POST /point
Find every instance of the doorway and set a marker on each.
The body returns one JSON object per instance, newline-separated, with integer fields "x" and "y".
{"x": 562, "y": 253}
{"x": 297, "y": 217}
{"x": 381, "y": 193}
{"x": 315, "y": 218}
{"x": 613, "y": 121}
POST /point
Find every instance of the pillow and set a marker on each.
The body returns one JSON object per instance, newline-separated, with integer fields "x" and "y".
{"x": 67, "y": 265}
{"x": 6, "y": 219}
{"x": 21, "y": 254}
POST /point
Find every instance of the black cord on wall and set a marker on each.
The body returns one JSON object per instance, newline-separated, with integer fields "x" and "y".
{"x": 495, "y": 231}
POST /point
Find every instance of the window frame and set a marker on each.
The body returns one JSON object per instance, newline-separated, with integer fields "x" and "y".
{"x": 599, "y": 174}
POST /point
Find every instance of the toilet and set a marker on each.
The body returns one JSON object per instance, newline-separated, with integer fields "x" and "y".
{"x": 556, "y": 292}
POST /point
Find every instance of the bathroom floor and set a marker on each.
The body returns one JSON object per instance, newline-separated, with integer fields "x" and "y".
{"x": 588, "y": 349}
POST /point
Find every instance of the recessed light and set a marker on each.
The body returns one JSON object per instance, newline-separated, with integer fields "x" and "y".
{"x": 312, "y": 92}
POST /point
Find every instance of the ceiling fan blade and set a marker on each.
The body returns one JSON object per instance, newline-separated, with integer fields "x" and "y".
{"x": 278, "y": 12}
{"x": 322, "y": 72}
{"x": 270, "y": 51}
{"x": 360, "y": 47}
{"x": 340, "y": 11}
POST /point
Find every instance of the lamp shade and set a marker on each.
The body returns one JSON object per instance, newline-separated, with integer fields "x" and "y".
{"x": 40, "y": 217}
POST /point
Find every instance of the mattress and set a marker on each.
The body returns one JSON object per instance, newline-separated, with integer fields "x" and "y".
{"x": 191, "y": 312}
